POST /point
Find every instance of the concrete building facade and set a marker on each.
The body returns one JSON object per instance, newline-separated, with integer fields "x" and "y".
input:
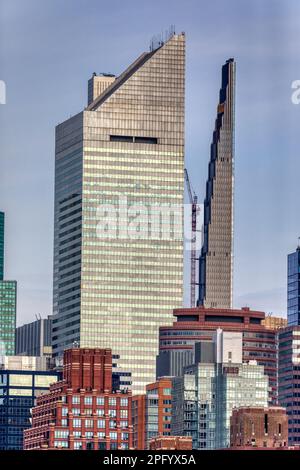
{"x": 34, "y": 339}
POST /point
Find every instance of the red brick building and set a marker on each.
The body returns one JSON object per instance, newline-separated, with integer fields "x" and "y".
{"x": 171, "y": 443}
{"x": 139, "y": 421}
{"x": 152, "y": 413}
{"x": 199, "y": 324}
{"x": 258, "y": 427}
{"x": 82, "y": 411}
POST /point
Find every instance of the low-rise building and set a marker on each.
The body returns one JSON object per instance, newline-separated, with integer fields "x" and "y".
{"x": 289, "y": 379}
{"x": 22, "y": 380}
{"x": 171, "y": 443}
{"x": 84, "y": 410}
{"x": 205, "y": 395}
{"x": 259, "y": 427}
{"x": 152, "y": 413}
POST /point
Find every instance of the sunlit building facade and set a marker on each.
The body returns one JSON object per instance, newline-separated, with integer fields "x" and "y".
{"x": 117, "y": 272}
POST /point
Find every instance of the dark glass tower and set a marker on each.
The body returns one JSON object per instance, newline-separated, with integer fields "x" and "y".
{"x": 294, "y": 288}
{"x": 1, "y": 245}
{"x": 8, "y": 303}
{"x": 216, "y": 259}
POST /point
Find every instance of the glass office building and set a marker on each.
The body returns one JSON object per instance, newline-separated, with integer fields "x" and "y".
{"x": 216, "y": 259}
{"x": 294, "y": 288}
{"x": 8, "y": 310}
{"x": 119, "y": 164}
{"x": 34, "y": 338}
{"x": 22, "y": 379}
{"x": 289, "y": 379}
{"x": 206, "y": 393}
{"x": 8, "y": 303}
{"x": 204, "y": 397}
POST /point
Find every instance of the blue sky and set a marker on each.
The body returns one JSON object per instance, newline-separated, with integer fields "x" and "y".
{"x": 49, "y": 49}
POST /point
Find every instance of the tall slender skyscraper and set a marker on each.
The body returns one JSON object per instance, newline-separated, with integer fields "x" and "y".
{"x": 1, "y": 245}
{"x": 8, "y": 303}
{"x": 293, "y": 297}
{"x": 118, "y": 164}
{"x": 216, "y": 259}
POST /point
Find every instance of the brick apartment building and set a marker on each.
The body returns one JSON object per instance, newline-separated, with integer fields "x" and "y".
{"x": 258, "y": 427}
{"x": 84, "y": 410}
{"x": 171, "y": 443}
{"x": 152, "y": 413}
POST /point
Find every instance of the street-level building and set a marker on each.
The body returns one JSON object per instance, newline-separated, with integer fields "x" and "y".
{"x": 22, "y": 380}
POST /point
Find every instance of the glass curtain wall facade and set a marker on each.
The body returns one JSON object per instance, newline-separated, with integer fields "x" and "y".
{"x": 1, "y": 245}
{"x": 34, "y": 339}
{"x": 8, "y": 310}
{"x": 118, "y": 165}
{"x": 203, "y": 399}
{"x": 289, "y": 379}
{"x": 216, "y": 259}
{"x": 18, "y": 391}
{"x": 294, "y": 288}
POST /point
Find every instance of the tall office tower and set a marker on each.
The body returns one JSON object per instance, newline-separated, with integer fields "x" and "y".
{"x": 216, "y": 259}
{"x": 119, "y": 168}
{"x": 34, "y": 339}
{"x": 1, "y": 245}
{"x": 294, "y": 288}
{"x": 8, "y": 303}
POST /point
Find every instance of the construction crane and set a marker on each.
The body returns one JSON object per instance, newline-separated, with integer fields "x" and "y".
{"x": 193, "y": 201}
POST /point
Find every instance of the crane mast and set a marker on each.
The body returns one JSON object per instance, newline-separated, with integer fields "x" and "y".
{"x": 193, "y": 201}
